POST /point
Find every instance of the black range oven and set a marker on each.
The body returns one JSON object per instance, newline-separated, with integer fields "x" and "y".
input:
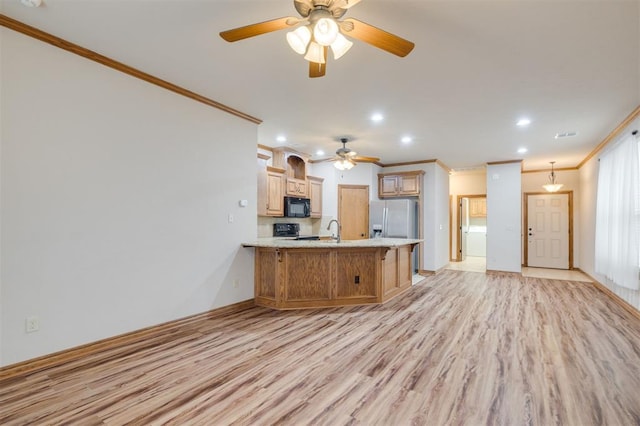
{"x": 286, "y": 229}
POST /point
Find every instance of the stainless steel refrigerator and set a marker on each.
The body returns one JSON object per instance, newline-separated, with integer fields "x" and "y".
{"x": 394, "y": 219}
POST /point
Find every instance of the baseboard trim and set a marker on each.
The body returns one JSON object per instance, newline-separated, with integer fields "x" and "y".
{"x": 617, "y": 299}
{"x": 75, "y": 353}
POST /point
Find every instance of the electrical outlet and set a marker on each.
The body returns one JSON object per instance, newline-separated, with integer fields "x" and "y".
{"x": 357, "y": 279}
{"x": 230, "y": 218}
{"x": 32, "y": 324}
{"x": 236, "y": 283}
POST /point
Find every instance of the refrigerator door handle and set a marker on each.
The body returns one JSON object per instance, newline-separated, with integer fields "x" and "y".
{"x": 384, "y": 222}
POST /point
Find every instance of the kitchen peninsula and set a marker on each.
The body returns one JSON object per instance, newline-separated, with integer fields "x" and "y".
{"x": 293, "y": 274}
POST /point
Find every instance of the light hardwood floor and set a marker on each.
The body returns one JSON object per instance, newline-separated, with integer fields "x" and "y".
{"x": 460, "y": 348}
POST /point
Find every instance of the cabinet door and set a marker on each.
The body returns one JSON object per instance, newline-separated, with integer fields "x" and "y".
{"x": 296, "y": 187}
{"x": 387, "y": 186}
{"x": 275, "y": 197}
{"x": 409, "y": 185}
{"x": 315, "y": 193}
{"x": 478, "y": 207}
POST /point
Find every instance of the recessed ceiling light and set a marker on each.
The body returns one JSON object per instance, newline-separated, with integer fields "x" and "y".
{"x": 377, "y": 117}
{"x": 522, "y": 150}
{"x": 281, "y": 139}
{"x": 523, "y": 122}
{"x": 406, "y": 139}
{"x": 319, "y": 152}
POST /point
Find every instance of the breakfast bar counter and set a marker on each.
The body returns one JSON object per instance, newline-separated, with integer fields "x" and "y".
{"x": 293, "y": 274}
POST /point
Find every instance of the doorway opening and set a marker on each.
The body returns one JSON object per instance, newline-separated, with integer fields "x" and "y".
{"x": 472, "y": 231}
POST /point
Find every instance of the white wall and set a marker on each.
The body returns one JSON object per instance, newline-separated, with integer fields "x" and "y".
{"x": 504, "y": 220}
{"x": 115, "y": 198}
{"x": 587, "y": 206}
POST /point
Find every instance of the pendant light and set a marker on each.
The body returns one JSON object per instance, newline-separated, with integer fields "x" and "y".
{"x": 552, "y": 186}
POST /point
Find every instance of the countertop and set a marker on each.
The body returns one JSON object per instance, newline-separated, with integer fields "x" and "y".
{"x": 291, "y": 243}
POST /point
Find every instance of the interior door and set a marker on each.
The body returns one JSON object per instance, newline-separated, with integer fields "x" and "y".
{"x": 464, "y": 227}
{"x": 353, "y": 211}
{"x": 548, "y": 230}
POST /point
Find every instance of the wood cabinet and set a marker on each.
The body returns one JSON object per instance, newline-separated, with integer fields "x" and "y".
{"x": 477, "y": 207}
{"x": 315, "y": 194}
{"x": 296, "y": 187}
{"x": 270, "y": 191}
{"x": 292, "y": 278}
{"x": 400, "y": 184}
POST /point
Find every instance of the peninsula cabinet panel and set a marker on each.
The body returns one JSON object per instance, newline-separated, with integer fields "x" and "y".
{"x": 331, "y": 275}
{"x": 397, "y": 271}
{"x": 390, "y": 271}
{"x": 405, "y": 271}
{"x": 306, "y": 275}
{"x": 266, "y": 273}
{"x": 356, "y": 274}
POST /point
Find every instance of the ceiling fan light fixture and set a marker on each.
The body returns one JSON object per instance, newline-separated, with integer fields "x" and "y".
{"x": 315, "y": 53}
{"x": 325, "y": 31}
{"x": 299, "y": 39}
{"x": 340, "y": 46}
{"x": 344, "y": 164}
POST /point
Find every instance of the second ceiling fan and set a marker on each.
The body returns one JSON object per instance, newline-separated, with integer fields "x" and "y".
{"x": 345, "y": 158}
{"x": 319, "y": 29}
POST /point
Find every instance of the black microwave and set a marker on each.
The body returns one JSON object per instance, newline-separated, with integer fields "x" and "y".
{"x": 297, "y": 207}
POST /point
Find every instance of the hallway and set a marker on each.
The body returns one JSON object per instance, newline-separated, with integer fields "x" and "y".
{"x": 479, "y": 264}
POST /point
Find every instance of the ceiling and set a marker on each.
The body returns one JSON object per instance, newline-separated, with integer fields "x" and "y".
{"x": 477, "y": 68}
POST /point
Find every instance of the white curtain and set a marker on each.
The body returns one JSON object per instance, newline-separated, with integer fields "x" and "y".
{"x": 618, "y": 214}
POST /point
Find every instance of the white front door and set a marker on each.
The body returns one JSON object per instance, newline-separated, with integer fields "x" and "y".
{"x": 548, "y": 231}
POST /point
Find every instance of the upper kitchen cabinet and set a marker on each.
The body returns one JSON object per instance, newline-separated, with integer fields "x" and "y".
{"x": 270, "y": 188}
{"x": 400, "y": 184}
{"x": 315, "y": 193}
{"x": 295, "y": 165}
{"x": 477, "y": 207}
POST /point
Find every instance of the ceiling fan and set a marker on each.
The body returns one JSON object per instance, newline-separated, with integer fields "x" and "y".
{"x": 319, "y": 29}
{"x": 346, "y": 159}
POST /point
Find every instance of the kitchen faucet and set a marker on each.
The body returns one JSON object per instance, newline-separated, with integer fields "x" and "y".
{"x": 338, "y": 225}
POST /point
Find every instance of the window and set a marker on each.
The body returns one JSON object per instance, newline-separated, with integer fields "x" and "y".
{"x": 618, "y": 214}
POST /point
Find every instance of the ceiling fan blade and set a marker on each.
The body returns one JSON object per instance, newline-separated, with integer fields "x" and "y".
{"x": 378, "y": 38}
{"x": 362, "y": 159}
{"x": 324, "y": 160}
{"x": 257, "y": 29}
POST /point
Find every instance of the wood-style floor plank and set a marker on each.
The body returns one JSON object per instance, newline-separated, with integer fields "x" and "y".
{"x": 460, "y": 348}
